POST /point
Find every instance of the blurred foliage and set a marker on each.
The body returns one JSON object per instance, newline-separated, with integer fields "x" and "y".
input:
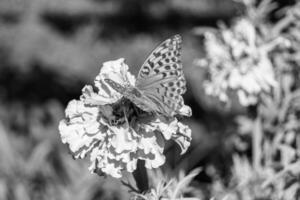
{"x": 34, "y": 165}
{"x": 50, "y": 49}
{"x": 266, "y": 161}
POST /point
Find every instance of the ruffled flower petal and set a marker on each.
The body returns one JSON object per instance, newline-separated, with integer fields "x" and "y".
{"x": 117, "y": 71}
{"x": 185, "y": 111}
{"x": 183, "y": 137}
{"x": 81, "y": 129}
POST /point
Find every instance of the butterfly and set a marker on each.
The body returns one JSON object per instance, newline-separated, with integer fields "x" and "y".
{"x": 160, "y": 82}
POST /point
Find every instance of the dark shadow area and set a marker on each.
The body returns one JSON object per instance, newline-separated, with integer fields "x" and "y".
{"x": 37, "y": 85}
{"x": 135, "y": 17}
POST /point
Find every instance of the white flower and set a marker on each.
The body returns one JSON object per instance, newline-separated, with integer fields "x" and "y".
{"x": 113, "y": 131}
{"x": 235, "y": 62}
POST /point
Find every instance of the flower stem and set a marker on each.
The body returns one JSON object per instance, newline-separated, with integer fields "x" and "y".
{"x": 256, "y": 143}
{"x": 141, "y": 177}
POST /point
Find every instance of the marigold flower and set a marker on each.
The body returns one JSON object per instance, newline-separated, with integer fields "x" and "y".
{"x": 113, "y": 131}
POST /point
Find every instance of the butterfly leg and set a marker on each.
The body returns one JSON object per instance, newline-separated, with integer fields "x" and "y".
{"x": 125, "y": 116}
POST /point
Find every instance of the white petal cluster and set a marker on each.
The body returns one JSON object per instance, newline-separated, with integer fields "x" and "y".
{"x": 96, "y": 126}
{"x": 236, "y": 63}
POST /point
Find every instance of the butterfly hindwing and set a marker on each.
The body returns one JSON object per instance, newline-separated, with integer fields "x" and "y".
{"x": 168, "y": 95}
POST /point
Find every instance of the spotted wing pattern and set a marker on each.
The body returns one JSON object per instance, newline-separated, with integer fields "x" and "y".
{"x": 161, "y": 77}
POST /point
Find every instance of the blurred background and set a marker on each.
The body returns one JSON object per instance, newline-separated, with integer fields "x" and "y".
{"x": 50, "y": 49}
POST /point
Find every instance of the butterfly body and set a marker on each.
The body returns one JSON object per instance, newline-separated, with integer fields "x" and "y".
{"x": 160, "y": 82}
{"x": 134, "y": 95}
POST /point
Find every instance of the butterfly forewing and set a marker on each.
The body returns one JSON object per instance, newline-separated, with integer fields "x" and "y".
{"x": 161, "y": 77}
{"x": 164, "y": 58}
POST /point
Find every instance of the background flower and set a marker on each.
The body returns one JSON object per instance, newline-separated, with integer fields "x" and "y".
{"x": 236, "y": 61}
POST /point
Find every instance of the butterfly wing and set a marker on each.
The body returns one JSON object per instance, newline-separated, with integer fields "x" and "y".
{"x": 161, "y": 78}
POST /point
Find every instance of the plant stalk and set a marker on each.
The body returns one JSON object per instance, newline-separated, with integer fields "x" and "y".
{"x": 141, "y": 177}
{"x": 256, "y": 143}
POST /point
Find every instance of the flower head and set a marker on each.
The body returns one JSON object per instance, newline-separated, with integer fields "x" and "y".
{"x": 237, "y": 63}
{"x": 113, "y": 131}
